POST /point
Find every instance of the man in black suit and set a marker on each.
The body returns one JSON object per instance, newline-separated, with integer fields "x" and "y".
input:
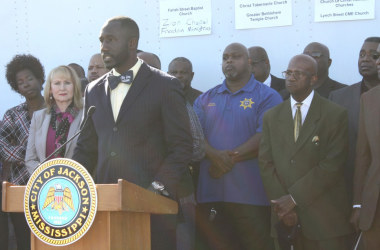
{"x": 140, "y": 131}
{"x": 260, "y": 68}
{"x": 349, "y": 97}
{"x": 321, "y": 54}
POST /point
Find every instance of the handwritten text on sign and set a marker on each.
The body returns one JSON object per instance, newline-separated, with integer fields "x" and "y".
{"x": 262, "y": 13}
{"x": 342, "y": 10}
{"x": 185, "y": 17}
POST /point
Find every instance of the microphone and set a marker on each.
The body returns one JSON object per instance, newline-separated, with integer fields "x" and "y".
{"x": 90, "y": 112}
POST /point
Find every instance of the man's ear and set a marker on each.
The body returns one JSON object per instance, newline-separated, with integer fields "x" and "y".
{"x": 133, "y": 42}
{"x": 329, "y": 62}
{"x": 192, "y": 75}
{"x": 313, "y": 80}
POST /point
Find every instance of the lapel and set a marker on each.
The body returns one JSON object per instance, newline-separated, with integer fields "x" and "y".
{"x": 74, "y": 127}
{"x": 140, "y": 82}
{"x": 310, "y": 123}
{"x": 354, "y": 104}
{"x": 44, "y": 130}
{"x": 285, "y": 118}
{"x": 106, "y": 98}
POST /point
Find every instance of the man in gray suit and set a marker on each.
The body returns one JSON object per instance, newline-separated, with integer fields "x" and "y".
{"x": 302, "y": 153}
{"x": 349, "y": 97}
{"x": 366, "y": 212}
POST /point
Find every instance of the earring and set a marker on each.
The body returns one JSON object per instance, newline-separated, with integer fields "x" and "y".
{"x": 51, "y": 97}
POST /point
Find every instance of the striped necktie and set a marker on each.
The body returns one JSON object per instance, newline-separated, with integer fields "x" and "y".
{"x": 297, "y": 121}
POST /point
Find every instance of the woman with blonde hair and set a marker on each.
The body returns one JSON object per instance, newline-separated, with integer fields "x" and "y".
{"x": 52, "y": 126}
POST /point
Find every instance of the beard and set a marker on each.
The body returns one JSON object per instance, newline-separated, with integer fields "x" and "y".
{"x": 115, "y": 61}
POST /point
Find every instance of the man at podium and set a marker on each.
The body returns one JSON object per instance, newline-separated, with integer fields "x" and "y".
{"x": 140, "y": 130}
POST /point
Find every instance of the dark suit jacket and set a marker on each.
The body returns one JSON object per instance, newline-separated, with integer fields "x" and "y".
{"x": 278, "y": 84}
{"x": 328, "y": 86}
{"x": 150, "y": 139}
{"x": 367, "y": 165}
{"x": 349, "y": 98}
{"x": 311, "y": 169}
{"x": 191, "y": 94}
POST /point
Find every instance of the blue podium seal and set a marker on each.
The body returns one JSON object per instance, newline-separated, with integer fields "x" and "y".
{"x": 60, "y": 202}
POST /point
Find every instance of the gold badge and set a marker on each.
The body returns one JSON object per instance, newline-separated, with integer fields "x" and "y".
{"x": 246, "y": 103}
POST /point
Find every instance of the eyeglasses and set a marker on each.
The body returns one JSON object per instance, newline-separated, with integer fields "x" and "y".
{"x": 373, "y": 55}
{"x": 296, "y": 74}
{"x": 314, "y": 54}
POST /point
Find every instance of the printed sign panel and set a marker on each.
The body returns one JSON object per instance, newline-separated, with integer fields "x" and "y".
{"x": 343, "y": 10}
{"x": 185, "y": 18}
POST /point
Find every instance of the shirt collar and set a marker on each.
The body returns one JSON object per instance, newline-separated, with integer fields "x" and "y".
{"x": 249, "y": 87}
{"x": 135, "y": 69}
{"x": 268, "y": 81}
{"x": 22, "y": 107}
{"x": 306, "y": 102}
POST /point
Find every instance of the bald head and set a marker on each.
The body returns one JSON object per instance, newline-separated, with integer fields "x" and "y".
{"x": 321, "y": 54}
{"x": 259, "y": 63}
{"x": 315, "y": 46}
{"x": 235, "y": 64}
{"x": 301, "y": 76}
{"x": 151, "y": 59}
{"x": 306, "y": 62}
{"x": 96, "y": 68}
{"x": 237, "y": 47}
{"x": 257, "y": 53}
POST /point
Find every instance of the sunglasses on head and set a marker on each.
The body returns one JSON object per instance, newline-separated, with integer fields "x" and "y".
{"x": 314, "y": 54}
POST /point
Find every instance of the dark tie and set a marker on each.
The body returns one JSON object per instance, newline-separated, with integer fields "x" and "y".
{"x": 126, "y": 78}
{"x": 297, "y": 121}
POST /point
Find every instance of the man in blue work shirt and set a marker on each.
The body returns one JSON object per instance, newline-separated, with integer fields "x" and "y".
{"x": 233, "y": 208}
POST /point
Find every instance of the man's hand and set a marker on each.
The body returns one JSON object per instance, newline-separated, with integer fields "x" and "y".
{"x": 221, "y": 162}
{"x": 290, "y": 219}
{"x": 283, "y": 205}
{"x": 355, "y": 218}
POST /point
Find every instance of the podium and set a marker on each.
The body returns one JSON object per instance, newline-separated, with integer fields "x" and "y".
{"x": 122, "y": 220}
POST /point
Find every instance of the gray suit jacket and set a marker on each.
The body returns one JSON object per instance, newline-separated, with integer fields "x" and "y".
{"x": 311, "y": 169}
{"x": 36, "y": 149}
{"x": 367, "y": 164}
{"x": 349, "y": 98}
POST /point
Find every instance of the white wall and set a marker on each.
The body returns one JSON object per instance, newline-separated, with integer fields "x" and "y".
{"x": 61, "y": 32}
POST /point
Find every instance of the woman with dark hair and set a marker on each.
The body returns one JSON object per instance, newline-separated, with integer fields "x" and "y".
{"x": 52, "y": 126}
{"x": 25, "y": 75}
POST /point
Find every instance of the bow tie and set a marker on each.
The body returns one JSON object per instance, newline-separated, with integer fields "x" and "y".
{"x": 126, "y": 78}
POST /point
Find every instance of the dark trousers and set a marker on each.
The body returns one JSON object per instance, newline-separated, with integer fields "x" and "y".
{"x": 21, "y": 229}
{"x": 163, "y": 232}
{"x": 338, "y": 243}
{"x": 233, "y": 226}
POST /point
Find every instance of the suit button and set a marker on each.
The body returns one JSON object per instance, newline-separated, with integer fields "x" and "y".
{"x": 292, "y": 161}
{"x": 113, "y": 154}
{"x": 114, "y": 129}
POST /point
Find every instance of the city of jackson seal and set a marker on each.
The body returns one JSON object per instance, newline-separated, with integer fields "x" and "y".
{"x": 60, "y": 202}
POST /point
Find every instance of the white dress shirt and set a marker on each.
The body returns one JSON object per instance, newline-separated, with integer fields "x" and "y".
{"x": 268, "y": 81}
{"x": 120, "y": 92}
{"x": 304, "y": 108}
